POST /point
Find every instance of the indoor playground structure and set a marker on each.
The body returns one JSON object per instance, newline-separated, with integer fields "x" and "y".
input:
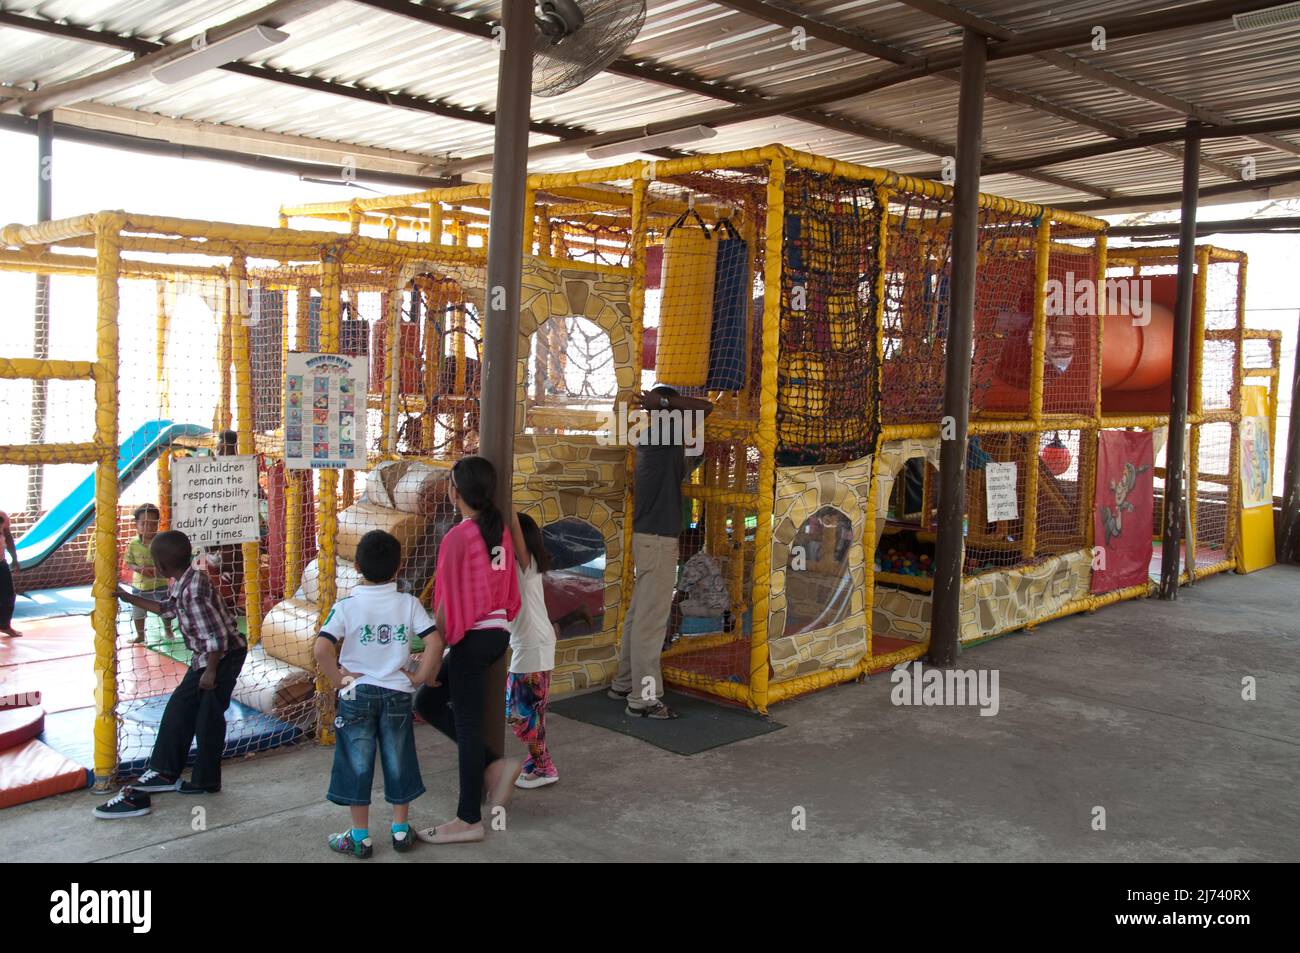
{"x": 806, "y": 298}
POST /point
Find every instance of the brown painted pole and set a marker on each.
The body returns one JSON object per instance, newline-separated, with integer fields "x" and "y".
{"x": 504, "y": 280}
{"x": 945, "y": 620}
{"x": 1172, "y": 526}
{"x": 1288, "y": 543}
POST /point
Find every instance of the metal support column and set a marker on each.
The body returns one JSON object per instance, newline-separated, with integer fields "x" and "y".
{"x": 1288, "y": 542}
{"x": 945, "y": 619}
{"x": 1172, "y": 526}
{"x": 504, "y": 280}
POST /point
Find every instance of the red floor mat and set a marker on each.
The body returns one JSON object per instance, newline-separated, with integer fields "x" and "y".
{"x": 20, "y": 725}
{"x": 68, "y": 683}
{"x": 48, "y": 639}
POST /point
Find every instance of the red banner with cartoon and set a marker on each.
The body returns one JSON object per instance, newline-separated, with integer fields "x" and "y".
{"x": 1122, "y": 510}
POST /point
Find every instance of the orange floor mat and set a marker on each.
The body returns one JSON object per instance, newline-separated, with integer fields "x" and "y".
{"x": 34, "y": 770}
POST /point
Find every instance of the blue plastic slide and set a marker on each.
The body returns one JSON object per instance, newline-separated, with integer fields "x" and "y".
{"x": 76, "y": 511}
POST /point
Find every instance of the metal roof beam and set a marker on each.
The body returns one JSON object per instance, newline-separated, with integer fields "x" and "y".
{"x": 1080, "y": 67}
{"x": 275, "y": 14}
{"x": 142, "y": 48}
{"x": 685, "y": 82}
{"x": 1161, "y": 200}
{"x": 1142, "y": 141}
{"x": 1075, "y": 33}
{"x": 160, "y": 147}
{"x": 856, "y": 41}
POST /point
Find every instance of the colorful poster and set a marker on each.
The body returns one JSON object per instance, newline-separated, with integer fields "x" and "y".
{"x": 1255, "y": 545}
{"x": 1124, "y": 505}
{"x": 215, "y": 500}
{"x": 325, "y": 411}
{"x": 1256, "y": 463}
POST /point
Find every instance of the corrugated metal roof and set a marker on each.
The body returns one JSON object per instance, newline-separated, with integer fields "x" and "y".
{"x": 1241, "y": 76}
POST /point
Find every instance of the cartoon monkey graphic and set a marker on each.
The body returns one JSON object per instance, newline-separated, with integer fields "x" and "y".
{"x": 1113, "y": 519}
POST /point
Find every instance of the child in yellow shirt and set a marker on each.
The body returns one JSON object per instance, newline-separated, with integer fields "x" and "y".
{"x": 146, "y": 579}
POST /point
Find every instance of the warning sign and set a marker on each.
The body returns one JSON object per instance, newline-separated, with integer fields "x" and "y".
{"x": 214, "y": 500}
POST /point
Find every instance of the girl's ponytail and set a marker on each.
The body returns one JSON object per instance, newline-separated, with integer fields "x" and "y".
{"x": 475, "y": 480}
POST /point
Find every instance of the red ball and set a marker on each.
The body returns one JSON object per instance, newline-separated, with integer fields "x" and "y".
{"x": 1056, "y": 457}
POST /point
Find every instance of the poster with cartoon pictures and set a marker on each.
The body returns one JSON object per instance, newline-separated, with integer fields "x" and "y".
{"x": 1256, "y": 463}
{"x": 325, "y": 411}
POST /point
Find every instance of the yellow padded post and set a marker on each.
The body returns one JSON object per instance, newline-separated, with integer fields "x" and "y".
{"x": 104, "y": 614}
{"x": 1029, "y": 540}
{"x": 241, "y": 356}
{"x": 164, "y": 405}
{"x": 765, "y": 439}
{"x": 331, "y": 289}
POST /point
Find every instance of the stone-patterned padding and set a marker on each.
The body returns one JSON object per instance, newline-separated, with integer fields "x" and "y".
{"x": 550, "y": 291}
{"x": 893, "y": 455}
{"x": 577, "y": 475}
{"x": 801, "y": 492}
{"x": 991, "y": 603}
{"x": 558, "y": 477}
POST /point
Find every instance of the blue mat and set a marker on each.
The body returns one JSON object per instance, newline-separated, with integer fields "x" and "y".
{"x": 50, "y": 603}
{"x": 71, "y": 733}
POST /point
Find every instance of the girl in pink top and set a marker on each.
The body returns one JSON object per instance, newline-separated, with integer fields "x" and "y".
{"x": 475, "y": 597}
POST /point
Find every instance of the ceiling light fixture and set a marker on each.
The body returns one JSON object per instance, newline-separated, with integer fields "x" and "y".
{"x": 205, "y": 56}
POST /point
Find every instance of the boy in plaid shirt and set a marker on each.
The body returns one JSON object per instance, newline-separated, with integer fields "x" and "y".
{"x": 197, "y": 708}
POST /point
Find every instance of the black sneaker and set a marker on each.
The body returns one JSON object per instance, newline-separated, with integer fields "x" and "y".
{"x": 189, "y": 787}
{"x": 403, "y": 840}
{"x": 126, "y": 803}
{"x": 151, "y": 782}
{"x": 618, "y": 696}
{"x": 658, "y": 712}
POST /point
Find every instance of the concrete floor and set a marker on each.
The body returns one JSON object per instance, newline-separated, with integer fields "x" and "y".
{"x": 1136, "y": 709}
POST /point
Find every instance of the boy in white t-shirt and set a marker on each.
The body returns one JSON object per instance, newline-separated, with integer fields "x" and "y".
{"x": 372, "y": 631}
{"x": 532, "y": 655}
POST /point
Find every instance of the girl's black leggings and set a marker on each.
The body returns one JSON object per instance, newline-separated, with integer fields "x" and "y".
{"x": 455, "y": 708}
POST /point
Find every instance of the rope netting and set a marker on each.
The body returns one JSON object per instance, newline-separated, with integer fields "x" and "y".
{"x": 703, "y": 337}
{"x": 917, "y": 292}
{"x": 827, "y": 386}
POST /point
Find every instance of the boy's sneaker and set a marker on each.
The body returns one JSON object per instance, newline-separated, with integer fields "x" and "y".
{"x": 151, "y": 782}
{"x": 345, "y": 844}
{"x": 189, "y": 787}
{"x": 126, "y": 803}
{"x": 618, "y": 696}
{"x": 403, "y": 840}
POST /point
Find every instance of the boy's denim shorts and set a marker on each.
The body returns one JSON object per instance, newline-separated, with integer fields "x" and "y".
{"x": 375, "y": 717}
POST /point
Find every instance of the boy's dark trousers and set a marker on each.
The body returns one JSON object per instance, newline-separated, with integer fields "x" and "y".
{"x": 199, "y": 715}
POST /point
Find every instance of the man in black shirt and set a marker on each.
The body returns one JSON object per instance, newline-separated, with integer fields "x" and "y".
{"x": 673, "y": 425}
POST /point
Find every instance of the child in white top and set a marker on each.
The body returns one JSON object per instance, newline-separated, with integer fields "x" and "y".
{"x": 532, "y": 655}
{"x": 371, "y": 630}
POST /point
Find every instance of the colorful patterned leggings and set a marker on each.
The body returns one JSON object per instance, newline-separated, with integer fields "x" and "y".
{"x": 526, "y": 694}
